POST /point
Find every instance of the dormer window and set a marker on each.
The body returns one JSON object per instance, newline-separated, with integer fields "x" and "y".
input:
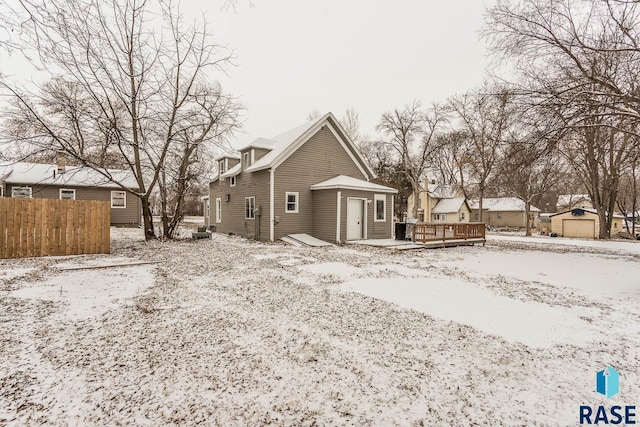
{"x": 245, "y": 159}
{"x": 221, "y": 168}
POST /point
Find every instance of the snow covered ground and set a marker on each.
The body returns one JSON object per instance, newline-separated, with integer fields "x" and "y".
{"x": 234, "y": 332}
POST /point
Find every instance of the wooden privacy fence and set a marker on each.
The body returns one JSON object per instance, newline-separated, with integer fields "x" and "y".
{"x": 427, "y": 232}
{"x": 42, "y": 227}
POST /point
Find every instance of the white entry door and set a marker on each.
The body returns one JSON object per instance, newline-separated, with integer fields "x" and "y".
{"x": 355, "y": 219}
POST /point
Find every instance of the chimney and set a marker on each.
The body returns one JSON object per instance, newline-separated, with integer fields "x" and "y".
{"x": 61, "y": 159}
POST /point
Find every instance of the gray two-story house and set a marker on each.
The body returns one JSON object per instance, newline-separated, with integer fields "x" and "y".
{"x": 311, "y": 179}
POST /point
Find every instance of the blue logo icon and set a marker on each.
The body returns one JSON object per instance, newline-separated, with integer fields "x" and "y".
{"x": 608, "y": 382}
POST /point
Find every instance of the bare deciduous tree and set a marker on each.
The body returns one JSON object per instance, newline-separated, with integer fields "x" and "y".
{"x": 136, "y": 92}
{"x": 412, "y": 133}
{"x": 484, "y": 116}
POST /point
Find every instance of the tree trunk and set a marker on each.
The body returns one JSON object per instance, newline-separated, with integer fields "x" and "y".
{"x": 527, "y": 210}
{"x": 480, "y": 218}
{"x": 147, "y": 217}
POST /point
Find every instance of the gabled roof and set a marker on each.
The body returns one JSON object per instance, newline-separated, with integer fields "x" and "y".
{"x": 501, "y": 204}
{"x": 443, "y": 191}
{"x": 233, "y": 171}
{"x": 588, "y": 210}
{"x": 234, "y": 156}
{"x": 285, "y": 144}
{"x": 445, "y": 206}
{"x": 75, "y": 176}
{"x": 568, "y": 199}
{"x": 349, "y": 183}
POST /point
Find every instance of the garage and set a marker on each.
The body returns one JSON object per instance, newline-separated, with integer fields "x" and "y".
{"x": 585, "y": 228}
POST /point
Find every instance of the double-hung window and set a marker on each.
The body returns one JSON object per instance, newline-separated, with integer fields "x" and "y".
{"x": 245, "y": 160}
{"x": 249, "y": 208}
{"x": 380, "y": 201}
{"x": 118, "y": 199}
{"x": 291, "y": 202}
{"x": 218, "y": 209}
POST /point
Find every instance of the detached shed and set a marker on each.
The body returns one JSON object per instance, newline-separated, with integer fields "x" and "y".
{"x": 581, "y": 222}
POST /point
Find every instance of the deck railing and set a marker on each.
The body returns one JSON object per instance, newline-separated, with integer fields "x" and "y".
{"x": 429, "y": 232}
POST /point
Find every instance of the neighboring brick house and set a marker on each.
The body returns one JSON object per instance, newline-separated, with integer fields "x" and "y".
{"x": 311, "y": 179}
{"x": 46, "y": 181}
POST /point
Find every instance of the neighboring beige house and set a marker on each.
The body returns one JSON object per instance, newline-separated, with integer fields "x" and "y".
{"x": 311, "y": 179}
{"x": 572, "y": 201}
{"x": 440, "y": 203}
{"x": 504, "y": 212}
{"x": 581, "y": 222}
{"x": 46, "y": 181}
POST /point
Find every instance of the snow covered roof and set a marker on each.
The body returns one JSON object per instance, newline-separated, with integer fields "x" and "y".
{"x": 501, "y": 204}
{"x": 46, "y": 174}
{"x": 233, "y": 171}
{"x": 283, "y": 145}
{"x": 448, "y": 205}
{"x": 444, "y": 191}
{"x": 589, "y": 210}
{"x": 349, "y": 183}
{"x": 569, "y": 199}
{"x": 235, "y": 156}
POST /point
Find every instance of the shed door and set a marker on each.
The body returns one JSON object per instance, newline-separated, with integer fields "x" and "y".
{"x": 355, "y": 219}
{"x": 585, "y": 228}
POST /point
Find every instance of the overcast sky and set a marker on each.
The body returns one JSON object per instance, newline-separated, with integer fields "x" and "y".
{"x": 293, "y": 56}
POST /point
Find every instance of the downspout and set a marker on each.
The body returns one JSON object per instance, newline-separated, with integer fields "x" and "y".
{"x": 339, "y": 205}
{"x": 272, "y": 217}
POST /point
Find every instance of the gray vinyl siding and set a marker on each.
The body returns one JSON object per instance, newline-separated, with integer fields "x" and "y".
{"x": 131, "y": 215}
{"x": 248, "y": 184}
{"x": 375, "y": 230}
{"x": 324, "y": 214}
{"x": 320, "y": 158}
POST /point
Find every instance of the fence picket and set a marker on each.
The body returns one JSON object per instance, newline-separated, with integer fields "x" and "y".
{"x": 41, "y": 227}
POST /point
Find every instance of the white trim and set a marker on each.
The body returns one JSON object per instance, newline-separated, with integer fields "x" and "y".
{"x": 353, "y": 187}
{"x": 253, "y": 156}
{"x": 339, "y": 206}
{"x": 286, "y": 201}
{"x": 344, "y": 146}
{"x": 67, "y": 189}
{"x": 22, "y": 188}
{"x": 252, "y": 207}
{"x": 364, "y": 214}
{"x": 232, "y": 181}
{"x": 377, "y": 197}
{"x": 393, "y": 230}
{"x": 1, "y": 189}
{"x": 272, "y": 218}
{"x": 366, "y": 222}
{"x": 207, "y": 211}
{"x": 124, "y": 193}
{"x": 218, "y": 210}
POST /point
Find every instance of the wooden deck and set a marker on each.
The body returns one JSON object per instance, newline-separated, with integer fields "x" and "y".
{"x": 442, "y": 233}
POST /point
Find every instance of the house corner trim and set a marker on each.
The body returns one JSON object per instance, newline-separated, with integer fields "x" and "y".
{"x": 272, "y": 219}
